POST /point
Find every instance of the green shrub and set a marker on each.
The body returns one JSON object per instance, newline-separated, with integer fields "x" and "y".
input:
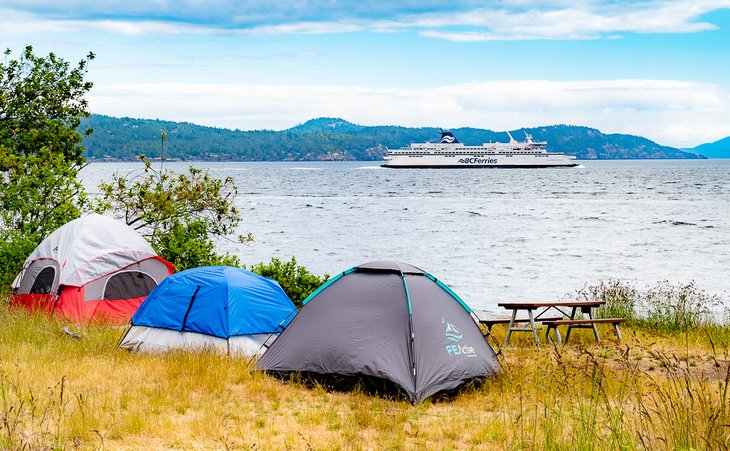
{"x": 665, "y": 306}
{"x": 296, "y": 281}
{"x": 189, "y": 246}
{"x": 620, "y": 298}
{"x": 679, "y": 307}
{"x": 180, "y": 213}
{"x": 14, "y": 249}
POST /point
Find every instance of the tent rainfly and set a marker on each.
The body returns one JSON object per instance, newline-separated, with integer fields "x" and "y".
{"x": 91, "y": 268}
{"x": 216, "y": 307}
{"x": 388, "y": 326}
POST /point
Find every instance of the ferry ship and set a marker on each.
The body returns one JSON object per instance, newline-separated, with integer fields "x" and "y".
{"x": 450, "y": 153}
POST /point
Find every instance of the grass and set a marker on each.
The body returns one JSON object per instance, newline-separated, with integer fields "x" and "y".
{"x": 665, "y": 306}
{"x": 654, "y": 390}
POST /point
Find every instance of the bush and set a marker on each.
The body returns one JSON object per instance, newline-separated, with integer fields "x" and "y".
{"x": 189, "y": 246}
{"x": 679, "y": 307}
{"x": 180, "y": 214}
{"x": 620, "y": 298}
{"x": 14, "y": 249}
{"x": 666, "y": 306}
{"x": 296, "y": 281}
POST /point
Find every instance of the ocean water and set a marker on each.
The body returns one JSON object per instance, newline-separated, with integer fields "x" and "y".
{"x": 490, "y": 234}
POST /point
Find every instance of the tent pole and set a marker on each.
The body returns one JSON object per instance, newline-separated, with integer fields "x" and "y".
{"x": 410, "y": 330}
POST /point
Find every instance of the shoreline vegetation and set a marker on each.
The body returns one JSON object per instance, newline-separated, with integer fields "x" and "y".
{"x": 665, "y": 386}
{"x": 334, "y": 139}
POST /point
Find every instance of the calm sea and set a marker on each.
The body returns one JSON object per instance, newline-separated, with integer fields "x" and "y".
{"x": 491, "y": 235}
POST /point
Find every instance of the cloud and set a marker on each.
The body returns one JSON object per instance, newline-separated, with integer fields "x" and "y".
{"x": 675, "y": 113}
{"x": 455, "y": 21}
{"x": 590, "y": 21}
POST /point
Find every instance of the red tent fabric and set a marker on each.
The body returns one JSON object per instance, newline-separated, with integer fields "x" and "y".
{"x": 92, "y": 268}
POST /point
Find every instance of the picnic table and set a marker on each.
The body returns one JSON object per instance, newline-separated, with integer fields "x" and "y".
{"x": 568, "y": 311}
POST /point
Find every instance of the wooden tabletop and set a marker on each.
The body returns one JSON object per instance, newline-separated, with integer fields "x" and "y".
{"x": 540, "y": 304}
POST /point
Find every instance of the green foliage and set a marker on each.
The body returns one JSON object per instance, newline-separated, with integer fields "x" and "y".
{"x": 336, "y": 139}
{"x": 38, "y": 193}
{"x": 41, "y": 106}
{"x": 679, "y": 307}
{"x": 620, "y": 298}
{"x": 14, "y": 249}
{"x": 296, "y": 281}
{"x": 189, "y": 246}
{"x": 179, "y": 213}
{"x": 665, "y": 306}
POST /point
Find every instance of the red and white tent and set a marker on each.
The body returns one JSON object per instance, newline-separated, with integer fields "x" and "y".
{"x": 91, "y": 268}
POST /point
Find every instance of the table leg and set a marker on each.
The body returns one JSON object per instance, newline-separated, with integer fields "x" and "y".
{"x": 509, "y": 329}
{"x": 618, "y": 332}
{"x": 595, "y": 329}
{"x": 557, "y": 334}
{"x": 534, "y": 329}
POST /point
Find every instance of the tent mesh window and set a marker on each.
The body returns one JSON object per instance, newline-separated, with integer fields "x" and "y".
{"x": 43, "y": 283}
{"x": 127, "y": 285}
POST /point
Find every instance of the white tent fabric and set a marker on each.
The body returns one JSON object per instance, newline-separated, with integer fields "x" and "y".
{"x": 155, "y": 340}
{"x": 90, "y": 247}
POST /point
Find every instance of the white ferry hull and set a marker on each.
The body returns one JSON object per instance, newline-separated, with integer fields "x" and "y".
{"x": 545, "y": 160}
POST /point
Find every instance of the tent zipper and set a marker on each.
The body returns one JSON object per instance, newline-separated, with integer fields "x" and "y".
{"x": 187, "y": 312}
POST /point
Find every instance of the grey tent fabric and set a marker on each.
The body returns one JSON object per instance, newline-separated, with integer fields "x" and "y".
{"x": 43, "y": 283}
{"x": 41, "y": 268}
{"x": 449, "y": 347}
{"x": 388, "y": 325}
{"x": 128, "y": 284}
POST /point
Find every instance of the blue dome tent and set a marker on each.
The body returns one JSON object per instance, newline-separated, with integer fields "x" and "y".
{"x": 218, "y": 307}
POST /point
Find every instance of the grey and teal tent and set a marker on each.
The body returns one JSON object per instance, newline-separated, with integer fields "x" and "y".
{"x": 387, "y": 326}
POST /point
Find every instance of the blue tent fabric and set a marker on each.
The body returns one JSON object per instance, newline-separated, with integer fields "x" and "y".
{"x": 220, "y": 301}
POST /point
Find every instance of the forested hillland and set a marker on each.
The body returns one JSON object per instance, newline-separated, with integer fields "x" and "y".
{"x": 335, "y": 139}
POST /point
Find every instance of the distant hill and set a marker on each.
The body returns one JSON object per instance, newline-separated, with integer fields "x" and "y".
{"x": 718, "y": 149}
{"x": 331, "y": 124}
{"x": 336, "y": 139}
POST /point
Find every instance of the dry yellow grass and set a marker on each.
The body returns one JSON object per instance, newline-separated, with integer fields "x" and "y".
{"x": 652, "y": 391}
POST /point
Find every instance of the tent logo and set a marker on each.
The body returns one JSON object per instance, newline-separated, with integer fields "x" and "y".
{"x": 453, "y": 333}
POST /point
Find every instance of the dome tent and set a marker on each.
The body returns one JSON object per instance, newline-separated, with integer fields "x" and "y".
{"x": 93, "y": 267}
{"x": 220, "y": 307}
{"x": 386, "y": 325}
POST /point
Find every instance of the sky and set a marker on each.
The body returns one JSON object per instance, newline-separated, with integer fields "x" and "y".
{"x": 659, "y": 69}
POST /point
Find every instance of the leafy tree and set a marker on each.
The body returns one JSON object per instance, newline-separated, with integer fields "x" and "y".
{"x": 296, "y": 281}
{"x": 187, "y": 245}
{"x": 41, "y": 106}
{"x": 14, "y": 249}
{"x": 179, "y": 213}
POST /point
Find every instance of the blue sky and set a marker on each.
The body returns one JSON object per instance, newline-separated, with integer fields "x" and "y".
{"x": 659, "y": 69}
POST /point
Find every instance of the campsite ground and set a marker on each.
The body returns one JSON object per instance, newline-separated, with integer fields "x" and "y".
{"x": 651, "y": 391}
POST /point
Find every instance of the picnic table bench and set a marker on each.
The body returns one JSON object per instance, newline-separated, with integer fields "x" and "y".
{"x": 568, "y": 311}
{"x": 492, "y": 321}
{"x": 582, "y": 323}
